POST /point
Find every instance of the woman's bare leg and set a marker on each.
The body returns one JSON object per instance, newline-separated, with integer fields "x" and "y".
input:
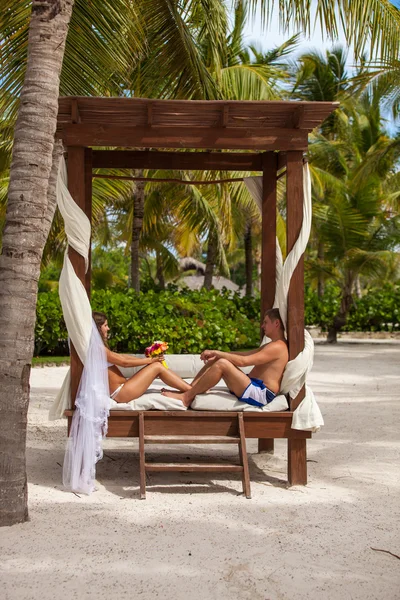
{"x": 141, "y": 381}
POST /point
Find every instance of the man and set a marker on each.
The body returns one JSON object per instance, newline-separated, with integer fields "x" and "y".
{"x": 263, "y": 382}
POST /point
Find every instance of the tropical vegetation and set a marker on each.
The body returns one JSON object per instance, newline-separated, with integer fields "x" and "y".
{"x": 169, "y": 49}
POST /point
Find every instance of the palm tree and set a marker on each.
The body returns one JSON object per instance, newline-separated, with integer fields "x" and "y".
{"x": 29, "y": 212}
{"x": 356, "y": 174}
{"x": 322, "y": 77}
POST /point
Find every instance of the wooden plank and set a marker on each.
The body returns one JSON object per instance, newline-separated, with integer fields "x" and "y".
{"x": 257, "y": 425}
{"x": 190, "y": 468}
{"x": 201, "y": 414}
{"x": 180, "y": 161}
{"x": 185, "y": 137}
{"x": 126, "y": 426}
{"x": 184, "y": 439}
{"x": 277, "y": 429}
{"x": 76, "y": 186}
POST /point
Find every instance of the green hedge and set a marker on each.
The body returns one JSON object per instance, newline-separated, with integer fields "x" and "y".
{"x": 193, "y": 320}
{"x": 189, "y": 320}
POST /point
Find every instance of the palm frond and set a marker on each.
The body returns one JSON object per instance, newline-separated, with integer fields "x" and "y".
{"x": 368, "y": 24}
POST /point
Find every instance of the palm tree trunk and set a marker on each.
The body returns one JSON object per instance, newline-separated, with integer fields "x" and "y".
{"x": 346, "y": 303}
{"x": 321, "y": 283}
{"x": 137, "y": 225}
{"x": 210, "y": 262}
{"x": 29, "y": 213}
{"x": 248, "y": 248}
{"x": 357, "y": 287}
{"x": 160, "y": 271}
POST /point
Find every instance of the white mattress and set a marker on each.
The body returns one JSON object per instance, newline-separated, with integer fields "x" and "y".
{"x": 219, "y": 399}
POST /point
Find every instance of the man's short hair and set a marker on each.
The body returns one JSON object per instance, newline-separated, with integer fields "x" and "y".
{"x": 273, "y": 314}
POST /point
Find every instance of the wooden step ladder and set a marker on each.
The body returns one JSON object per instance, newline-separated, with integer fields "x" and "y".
{"x": 240, "y": 440}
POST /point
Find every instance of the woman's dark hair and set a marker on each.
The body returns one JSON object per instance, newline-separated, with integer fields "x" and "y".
{"x": 100, "y": 318}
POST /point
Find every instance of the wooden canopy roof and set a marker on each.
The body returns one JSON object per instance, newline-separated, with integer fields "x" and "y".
{"x": 208, "y": 124}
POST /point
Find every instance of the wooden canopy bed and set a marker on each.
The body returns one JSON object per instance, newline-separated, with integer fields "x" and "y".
{"x": 267, "y": 137}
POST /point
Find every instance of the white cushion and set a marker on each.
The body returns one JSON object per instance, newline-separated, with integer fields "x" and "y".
{"x": 220, "y": 399}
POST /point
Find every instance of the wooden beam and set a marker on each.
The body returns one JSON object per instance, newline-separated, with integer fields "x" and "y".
{"x": 297, "y": 458}
{"x": 150, "y": 115}
{"x": 176, "y": 161}
{"x": 298, "y": 117}
{"x": 225, "y": 115}
{"x": 186, "y": 137}
{"x": 75, "y": 118}
{"x": 170, "y": 180}
{"x": 76, "y": 186}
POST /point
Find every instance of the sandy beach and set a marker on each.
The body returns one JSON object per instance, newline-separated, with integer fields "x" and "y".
{"x": 196, "y": 536}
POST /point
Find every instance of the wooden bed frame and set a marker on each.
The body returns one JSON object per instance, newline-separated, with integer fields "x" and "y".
{"x": 204, "y": 427}
{"x": 274, "y": 137}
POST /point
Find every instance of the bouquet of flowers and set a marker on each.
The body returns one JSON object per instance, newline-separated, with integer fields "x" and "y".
{"x": 156, "y": 349}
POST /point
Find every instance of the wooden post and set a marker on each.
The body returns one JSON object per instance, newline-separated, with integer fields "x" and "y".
{"x": 268, "y": 251}
{"x": 297, "y": 452}
{"x": 76, "y": 186}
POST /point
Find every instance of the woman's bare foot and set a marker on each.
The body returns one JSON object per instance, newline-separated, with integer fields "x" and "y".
{"x": 168, "y": 390}
{"x": 183, "y": 397}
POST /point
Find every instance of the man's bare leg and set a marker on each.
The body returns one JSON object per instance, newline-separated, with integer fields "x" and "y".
{"x": 203, "y": 370}
{"x": 222, "y": 368}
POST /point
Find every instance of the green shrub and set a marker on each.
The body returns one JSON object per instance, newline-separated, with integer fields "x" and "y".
{"x": 189, "y": 320}
{"x": 50, "y": 331}
{"x": 193, "y": 320}
{"x": 377, "y": 310}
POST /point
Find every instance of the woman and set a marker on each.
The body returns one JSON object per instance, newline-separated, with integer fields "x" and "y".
{"x": 125, "y": 390}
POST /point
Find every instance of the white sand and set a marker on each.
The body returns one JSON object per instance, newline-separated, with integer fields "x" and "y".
{"x": 196, "y": 536}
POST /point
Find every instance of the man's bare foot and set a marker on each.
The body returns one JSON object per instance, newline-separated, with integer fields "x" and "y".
{"x": 174, "y": 391}
{"x": 183, "y": 397}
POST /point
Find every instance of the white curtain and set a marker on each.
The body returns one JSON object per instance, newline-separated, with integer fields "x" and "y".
{"x": 307, "y": 416}
{"x": 89, "y": 423}
{"x": 74, "y": 300}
